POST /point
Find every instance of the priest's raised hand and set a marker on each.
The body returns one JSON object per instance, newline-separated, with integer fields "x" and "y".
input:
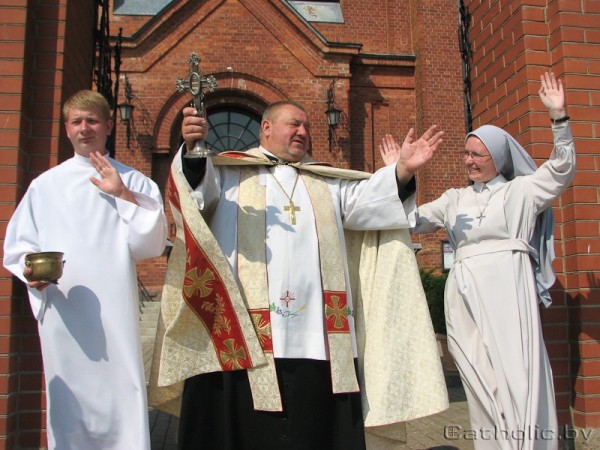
{"x": 110, "y": 181}
{"x": 413, "y": 154}
{"x": 194, "y": 127}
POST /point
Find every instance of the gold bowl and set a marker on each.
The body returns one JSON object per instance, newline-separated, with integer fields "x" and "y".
{"x": 45, "y": 266}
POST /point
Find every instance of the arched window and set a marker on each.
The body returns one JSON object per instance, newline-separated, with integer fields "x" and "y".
{"x": 232, "y": 129}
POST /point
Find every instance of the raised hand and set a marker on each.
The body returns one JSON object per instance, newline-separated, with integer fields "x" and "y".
{"x": 552, "y": 95}
{"x": 390, "y": 150}
{"x": 110, "y": 181}
{"x": 193, "y": 128}
{"x": 413, "y": 154}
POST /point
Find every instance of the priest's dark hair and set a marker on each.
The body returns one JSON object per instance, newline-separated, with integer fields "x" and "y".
{"x": 271, "y": 111}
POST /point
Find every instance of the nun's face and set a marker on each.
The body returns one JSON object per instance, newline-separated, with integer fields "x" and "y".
{"x": 478, "y": 161}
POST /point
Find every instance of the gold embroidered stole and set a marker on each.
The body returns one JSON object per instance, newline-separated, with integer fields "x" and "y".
{"x": 252, "y": 274}
{"x": 253, "y": 278}
{"x": 335, "y": 296}
{"x": 204, "y": 325}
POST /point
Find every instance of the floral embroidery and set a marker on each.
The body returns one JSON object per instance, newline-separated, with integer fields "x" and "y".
{"x": 217, "y": 308}
{"x": 287, "y": 299}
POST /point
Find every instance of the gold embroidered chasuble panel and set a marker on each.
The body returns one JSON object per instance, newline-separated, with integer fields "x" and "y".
{"x": 401, "y": 376}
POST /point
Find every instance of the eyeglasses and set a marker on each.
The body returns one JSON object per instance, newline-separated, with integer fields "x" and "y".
{"x": 475, "y": 156}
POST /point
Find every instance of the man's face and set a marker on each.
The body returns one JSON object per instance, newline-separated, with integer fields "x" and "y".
{"x": 88, "y": 130}
{"x": 287, "y": 135}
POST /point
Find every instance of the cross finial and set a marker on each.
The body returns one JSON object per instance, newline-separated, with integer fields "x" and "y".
{"x": 195, "y": 84}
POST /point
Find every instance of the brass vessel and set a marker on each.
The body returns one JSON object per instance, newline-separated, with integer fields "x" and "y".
{"x": 45, "y": 266}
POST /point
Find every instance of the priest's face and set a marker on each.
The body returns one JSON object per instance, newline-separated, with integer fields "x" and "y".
{"x": 88, "y": 130}
{"x": 287, "y": 134}
{"x": 478, "y": 161}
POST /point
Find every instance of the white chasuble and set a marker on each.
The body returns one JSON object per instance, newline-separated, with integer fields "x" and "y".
{"x": 89, "y": 322}
{"x": 390, "y": 326}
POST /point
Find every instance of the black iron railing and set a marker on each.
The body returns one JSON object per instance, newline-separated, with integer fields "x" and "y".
{"x": 104, "y": 55}
{"x": 464, "y": 21}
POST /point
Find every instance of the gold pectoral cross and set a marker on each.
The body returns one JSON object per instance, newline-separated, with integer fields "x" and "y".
{"x": 291, "y": 208}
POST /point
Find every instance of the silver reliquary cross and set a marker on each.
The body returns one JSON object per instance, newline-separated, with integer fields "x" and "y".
{"x": 196, "y": 84}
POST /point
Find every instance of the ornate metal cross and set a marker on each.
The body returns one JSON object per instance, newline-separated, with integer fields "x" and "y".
{"x": 195, "y": 84}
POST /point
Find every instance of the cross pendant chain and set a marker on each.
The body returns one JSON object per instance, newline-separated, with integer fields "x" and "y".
{"x": 291, "y": 208}
{"x": 480, "y": 217}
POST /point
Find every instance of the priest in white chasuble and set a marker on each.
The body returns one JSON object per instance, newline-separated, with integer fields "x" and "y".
{"x": 293, "y": 314}
{"x": 104, "y": 216}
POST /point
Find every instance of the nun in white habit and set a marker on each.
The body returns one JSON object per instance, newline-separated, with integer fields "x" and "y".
{"x": 501, "y": 228}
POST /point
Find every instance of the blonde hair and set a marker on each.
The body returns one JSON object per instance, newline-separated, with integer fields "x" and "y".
{"x": 87, "y": 100}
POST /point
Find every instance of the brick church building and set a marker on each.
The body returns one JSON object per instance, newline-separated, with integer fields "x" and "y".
{"x": 384, "y": 65}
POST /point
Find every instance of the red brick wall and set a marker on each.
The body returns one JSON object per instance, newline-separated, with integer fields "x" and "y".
{"x": 404, "y": 76}
{"x": 439, "y": 101}
{"x": 513, "y": 43}
{"x": 44, "y": 57}
{"x": 394, "y": 68}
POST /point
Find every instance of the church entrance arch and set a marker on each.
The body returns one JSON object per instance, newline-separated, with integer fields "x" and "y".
{"x": 232, "y": 128}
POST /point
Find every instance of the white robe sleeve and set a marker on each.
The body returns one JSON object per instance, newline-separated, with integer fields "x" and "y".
{"x": 373, "y": 204}
{"x": 555, "y": 175}
{"x": 431, "y": 216}
{"x": 22, "y": 238}
{"x": 146, "y": 225}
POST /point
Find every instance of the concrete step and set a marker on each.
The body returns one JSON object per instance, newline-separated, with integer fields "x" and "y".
{"x": 150, "y": 335}
{"x": 148, "y": 332}
{"x": 150, "y": 306}
{"x": 149, "y": 313}
{"x": 148, "y": 316}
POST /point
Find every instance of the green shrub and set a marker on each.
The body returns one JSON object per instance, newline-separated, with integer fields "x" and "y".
{"x": 433, "y": 284}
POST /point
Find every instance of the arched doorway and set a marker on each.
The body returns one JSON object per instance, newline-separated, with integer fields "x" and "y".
{"x": 232, "y": 128}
